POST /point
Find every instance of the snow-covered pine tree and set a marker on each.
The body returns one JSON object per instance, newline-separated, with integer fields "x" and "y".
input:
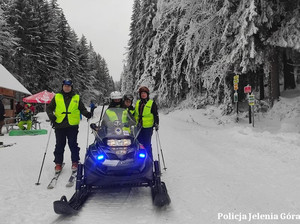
{"x": 128, "y": 78}
{"x": 7, "y": 39}
{"x": 144, "y": 29}
{"x": 198, "y": 46}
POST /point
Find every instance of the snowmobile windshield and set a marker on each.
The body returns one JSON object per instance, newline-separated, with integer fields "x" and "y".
{"x": 117, "y": 123}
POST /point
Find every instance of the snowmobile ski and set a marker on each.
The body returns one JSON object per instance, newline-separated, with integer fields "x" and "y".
{"x": 7, "y": 145}
{"x": 62, "y": 207}
{"x": 65, "y": 207}
{"x": 159, "y": 190}
{"x": 160, "y": 195}
{"x": 72, "y": 179}
{"x": 53, "y": 181}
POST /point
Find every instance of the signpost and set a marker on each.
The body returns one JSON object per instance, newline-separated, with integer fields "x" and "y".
{"x": 247, "y": 90}
{"x": 235, "y": 95}
{"x": 251, "y": 100}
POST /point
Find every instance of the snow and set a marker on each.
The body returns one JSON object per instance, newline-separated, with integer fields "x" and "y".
{"x": 218, "y": 171}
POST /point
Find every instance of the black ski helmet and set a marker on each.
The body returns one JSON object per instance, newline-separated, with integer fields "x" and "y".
{"x": 128, "y": 96}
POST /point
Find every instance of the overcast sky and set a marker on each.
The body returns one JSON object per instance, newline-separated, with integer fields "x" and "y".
{"x": 106, "y": 24}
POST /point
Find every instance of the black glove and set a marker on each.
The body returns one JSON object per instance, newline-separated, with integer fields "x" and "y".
{"x": 156, "y": 126}
{"x": 94, "y": 126}
{"x": 52, "y": 120}
{"x": 88, "y": 115}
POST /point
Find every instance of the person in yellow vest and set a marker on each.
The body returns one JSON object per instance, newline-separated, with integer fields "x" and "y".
{"x": 115, "y": 99}
{"x": 110, "y": 114}
{"x": 115, "y": 102}
{"x": 64, "y": 113}
{"x": 146, "y": 116}
{"x": 127, "y": 103}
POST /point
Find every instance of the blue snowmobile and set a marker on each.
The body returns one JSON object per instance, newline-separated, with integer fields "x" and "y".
{"x": 115, "y": 159}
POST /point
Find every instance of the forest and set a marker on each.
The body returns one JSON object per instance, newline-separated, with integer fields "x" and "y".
{"x": 40, "y": 49}
{"x": 190, "y": 50}
{"x": 186, "y": 51}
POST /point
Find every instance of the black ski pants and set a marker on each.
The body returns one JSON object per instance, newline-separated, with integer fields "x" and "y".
{"x": 145, "y": 139}
{"x": 62, "y": 134}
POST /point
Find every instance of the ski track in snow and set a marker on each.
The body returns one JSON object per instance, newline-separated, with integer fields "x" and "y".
{"x": 212, "y": 167}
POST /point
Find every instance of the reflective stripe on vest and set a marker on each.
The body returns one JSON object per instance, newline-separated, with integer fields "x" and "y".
{"x": 147, "y": 116}
{"x": 72, "y": 112}
{"x": 131, "y": 111}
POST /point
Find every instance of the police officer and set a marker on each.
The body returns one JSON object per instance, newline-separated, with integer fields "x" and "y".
{"x": 115, "y": 99}
{"x": 146, "y": 115}
{"x": 64, "y": 112}
{"x": 110, "y": 114}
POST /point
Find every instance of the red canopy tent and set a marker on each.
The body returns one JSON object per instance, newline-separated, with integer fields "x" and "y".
{"x": 41, "y": 97}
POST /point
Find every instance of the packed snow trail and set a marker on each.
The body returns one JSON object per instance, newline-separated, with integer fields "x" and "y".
{"x": 212, "y": 167}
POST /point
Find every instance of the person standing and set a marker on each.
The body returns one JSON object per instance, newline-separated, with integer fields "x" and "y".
{"x": 19, "y": 108}
{"x": 2, "y": 115}
{"x": 64, "y": 113}
{"x": 146, "y": 115}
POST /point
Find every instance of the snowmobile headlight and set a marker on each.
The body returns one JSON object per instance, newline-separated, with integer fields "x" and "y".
{"x": 120, "y": 151}
{"x": 118, "y": 142}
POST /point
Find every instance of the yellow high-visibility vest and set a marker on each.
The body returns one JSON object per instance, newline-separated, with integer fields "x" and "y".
{"x": 147, "y": 116}
{"x": 112, "y": 116}
{"x": 72, "y": 113}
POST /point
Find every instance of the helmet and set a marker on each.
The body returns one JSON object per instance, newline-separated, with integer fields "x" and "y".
{"x": 144, "y": 89}
{"x": 128, "y": 96}
{"x": 67, "y": 82}
{"x": 115, "y": 95}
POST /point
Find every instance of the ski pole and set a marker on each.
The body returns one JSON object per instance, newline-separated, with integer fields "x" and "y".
{"x": 88, "y": 129}
{"x": 38, "y": 182}
{"x": 157, "y": 148}
{"x": 162, "y": 154}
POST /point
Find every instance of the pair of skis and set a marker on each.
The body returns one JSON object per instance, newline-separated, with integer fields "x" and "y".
{"x": 70, "y": 182}
{"x": 7, "y": 145}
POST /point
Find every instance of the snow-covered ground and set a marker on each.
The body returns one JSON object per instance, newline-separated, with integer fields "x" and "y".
{"x": 218, "y": 171}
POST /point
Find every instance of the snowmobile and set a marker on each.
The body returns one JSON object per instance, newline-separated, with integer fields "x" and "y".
{"x": 115, "y": 159}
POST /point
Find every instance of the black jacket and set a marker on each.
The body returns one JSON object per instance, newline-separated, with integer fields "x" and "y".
{"x": 67, "y": 98}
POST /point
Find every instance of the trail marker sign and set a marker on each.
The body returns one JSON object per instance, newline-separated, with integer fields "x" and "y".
{"x": 247, "y": 89}
{"x": 251, "y": 100}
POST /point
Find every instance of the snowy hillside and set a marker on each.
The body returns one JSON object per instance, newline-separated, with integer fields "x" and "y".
{"x": 218, "y": 171}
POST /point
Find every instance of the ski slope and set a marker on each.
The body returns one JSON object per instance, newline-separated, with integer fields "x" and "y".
{"x": 218, "y": 171}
